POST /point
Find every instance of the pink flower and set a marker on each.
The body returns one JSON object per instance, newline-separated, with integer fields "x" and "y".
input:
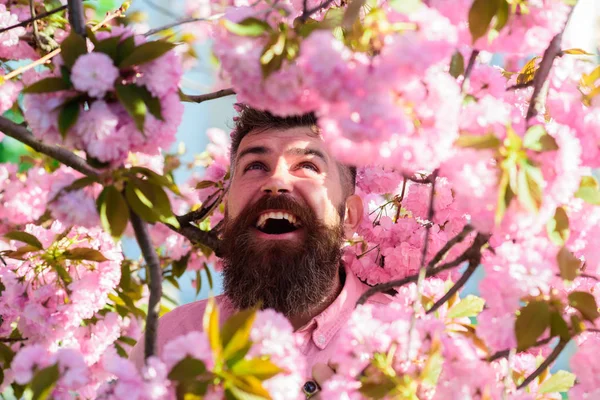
{"x": 11, "y": 37}
{"x": 94, "y": 73}
{"x": 29, "y": 358}
{"x": 9, "y": 91}
{"x": 193, "y": 344}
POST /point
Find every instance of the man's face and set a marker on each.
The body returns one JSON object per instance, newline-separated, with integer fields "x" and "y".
{"x": 294, "y": 162}
{"x": 283, "y": 225}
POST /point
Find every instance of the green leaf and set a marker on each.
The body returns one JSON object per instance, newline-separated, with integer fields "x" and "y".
{"x": 480, "y": 16}
{"x": 124, "y": 49}
{"x": 246, "y": 387}
{"x": 150, "y": 201}
{"x": 235, "y": 333}
{"x": 248, "y": 27}
{"x": 132, "y": 100}
{"x": 85, "y": 253}
{"x": 20, "y": 252}
{"x": 488, "y": 141}
{"x": 406, "y": 6}
{"x": 558, "y": 227}
{"x": 47, "y": 85}
{"x": 527, "y": 73}
{"x": 146, "y": 52}
{"x": 67, "y": 117}
{"x": 187, "y": 370}
{"x": 537, "y": 139}
{"x": 179, "y": 266}
{"x": 529, "y": 183}
{"x": 198, "y": 282}
{"x": 505, "y": 196}
{"x": 561, "y": 381}
{"x": 502, "y": 15}
{"x": 108, "y": 46}
{"x": 63, "y": 273}
{"x": 44, "y": 381}
{"x": 577, "y": 52}
{"x": 205, "y": 184}
{"x": 261, "y": 369}
{"x": 273, "y": 54}
{"x": 125, "y": 282}
{"x": 6, "y": 354}
{"x": 210, "y": 324}
{"x": 558, "y": 326}
{"x": 138, "y": 206}
{"x": 113, "y": 210}
{"x": 457, "y": 64}
{"x": 531, "y": 323}
{"x": 129, "y": 340}
{"x": 158, "y": 179}
{"x": 585, "y": 303}
{"x": 568, "y": 264}
{"x": 378, "y": 390}
{"x": 152, "y": 103}
{"x": 25, "y": 238}
{"x": 470, "y": 306}
{"x": 79, "y": 184}
{"x": 589, "y": 190}
{"x": 71, "y": 48}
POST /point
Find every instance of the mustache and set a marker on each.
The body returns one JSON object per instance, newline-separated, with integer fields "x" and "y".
{"x": 282, "y": 202}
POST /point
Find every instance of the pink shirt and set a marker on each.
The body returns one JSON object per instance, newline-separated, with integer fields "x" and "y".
{"x": 318, "y": 338}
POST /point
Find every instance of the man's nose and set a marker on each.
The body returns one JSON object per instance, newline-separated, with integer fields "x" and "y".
{"x": 279, "y": 182}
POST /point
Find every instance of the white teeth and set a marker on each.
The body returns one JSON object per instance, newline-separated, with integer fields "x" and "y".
{"x": 262, "y": 219}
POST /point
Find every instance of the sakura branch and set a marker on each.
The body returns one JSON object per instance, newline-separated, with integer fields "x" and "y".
{"x": 208, "y": 96}
{"x": 32, "y": 19}
{"x": 469, "y": 68}
{"x": 154, "y": 282}
{"x": 179, "y": 23}
{"x": 76, "y": 17}
{"x": 505, "y": 353}
{"x": 307, "y": 12}
{"x": 545, "y": 364}
{"x": 539, "y": 80}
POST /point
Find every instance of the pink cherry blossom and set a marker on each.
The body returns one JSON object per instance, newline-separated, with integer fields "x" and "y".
{"x": 94, "y": 73}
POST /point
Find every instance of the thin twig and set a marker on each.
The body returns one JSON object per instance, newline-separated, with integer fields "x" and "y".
{"x": 545, "y": 364}
{"x": 473, "y": 264}
{"x": 554, "y": 50}
{"x": 63, "y": 155}
{"x": 505, "y": 353}
{"x": 208, "y": 96}
{"x": 180, "y": 22}
{"x": 154, "y": 282}
{"x": 12, "y": 340}
{"x": 307, "y": 13}
{"x": 76, "y": 17}
{"x": 520, "y": 86}
{"x": 109, "y": 17}
{"x": 449, "y": 244}
{"x": 469, "y": 68}
{"x": 36, "y": 35}
{"x": 37, "y": 17}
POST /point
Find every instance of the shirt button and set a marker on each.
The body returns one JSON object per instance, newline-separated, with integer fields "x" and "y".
{"x": 321, "y": 339}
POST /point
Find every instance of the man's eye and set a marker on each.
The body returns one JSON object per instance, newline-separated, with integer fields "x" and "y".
{"x": 310, "y": 166}
{"x": 255, "y": 166}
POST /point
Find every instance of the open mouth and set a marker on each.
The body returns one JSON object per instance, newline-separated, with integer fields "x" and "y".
{"x": 277, "y": 223}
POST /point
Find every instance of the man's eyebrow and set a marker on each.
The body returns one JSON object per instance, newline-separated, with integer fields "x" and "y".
{"x": 253, "y": 150}
{"x": 297, "y": 151}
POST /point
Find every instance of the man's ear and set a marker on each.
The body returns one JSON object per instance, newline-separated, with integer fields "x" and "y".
{"x": 354, "y": 214}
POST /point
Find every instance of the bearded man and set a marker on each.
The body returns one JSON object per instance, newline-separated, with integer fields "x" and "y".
{"x": 289, "y": 207}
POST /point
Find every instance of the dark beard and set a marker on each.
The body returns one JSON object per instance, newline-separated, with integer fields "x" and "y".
{"x": 291, "y": 277}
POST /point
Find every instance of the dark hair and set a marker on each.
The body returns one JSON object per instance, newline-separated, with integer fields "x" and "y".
{"x": 253, "y": 120}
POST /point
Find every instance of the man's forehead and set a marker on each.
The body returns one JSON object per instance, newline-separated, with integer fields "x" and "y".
{"x": 278, "y": 140}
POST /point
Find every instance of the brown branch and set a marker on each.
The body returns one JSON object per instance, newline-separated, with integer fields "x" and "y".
{"x": 209, "y": 96}
{"x": 12, "y": 340}
{"x": 520, "y": 86}
{"x": 469, "y": 68}
{"x": 554, "y": 50}
{"x": 63, "y": 155}
{"x": 504, "y": 353}
{"x": 308, "y": 12}
{"x": 383, "y": 287}
{"x": 154, "y": 282}
{"x": 449, "y": 244}
{"x": 76, "y": 17}
{"x": 545, "y": 364}
{"x": 473, "y": 264}
{"x": 37, "y": 17}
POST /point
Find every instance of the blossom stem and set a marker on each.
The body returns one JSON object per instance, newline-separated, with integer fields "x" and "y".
{"x": 469, "y": 68}
{"x": 539, "y": 80}
{"x": 208, "y": 96}
{"x": 154, "y": 282}
{"x": 180, "y": 22}
{"x": 505, "y": 353}
{"x": 65, "y": 156}
{"x": 76, "y": 17}
{"x": 473, "y": 264}
{"x": 308, "y": 12}
{"x": 449, "y": 244}
{"x": 545, "y": 364}
{"x": 32, "y": 19}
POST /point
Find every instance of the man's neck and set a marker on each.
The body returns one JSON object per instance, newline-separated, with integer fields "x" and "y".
{"x": 298, "y": 321}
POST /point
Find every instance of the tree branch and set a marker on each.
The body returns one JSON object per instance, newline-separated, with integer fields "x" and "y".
{"x": 469, "y": 68}
{"x": 308, "y": 12}
{"x": 545, "y": 364}
{"x": 208, "y": 96}
{"x": 180, "y": 22}
{"x": 449, "y": 244}
{"x": 154, "y": 282}
{"x": 76, "y": 17}
{"x": 504, "y": 353}
{"x": 63, "y": 155}
{"x": 539, "y": 79}
{"x": 37, "y": 17}
{"x": 473, "y": 264}
{"x": 383, "y": 287}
